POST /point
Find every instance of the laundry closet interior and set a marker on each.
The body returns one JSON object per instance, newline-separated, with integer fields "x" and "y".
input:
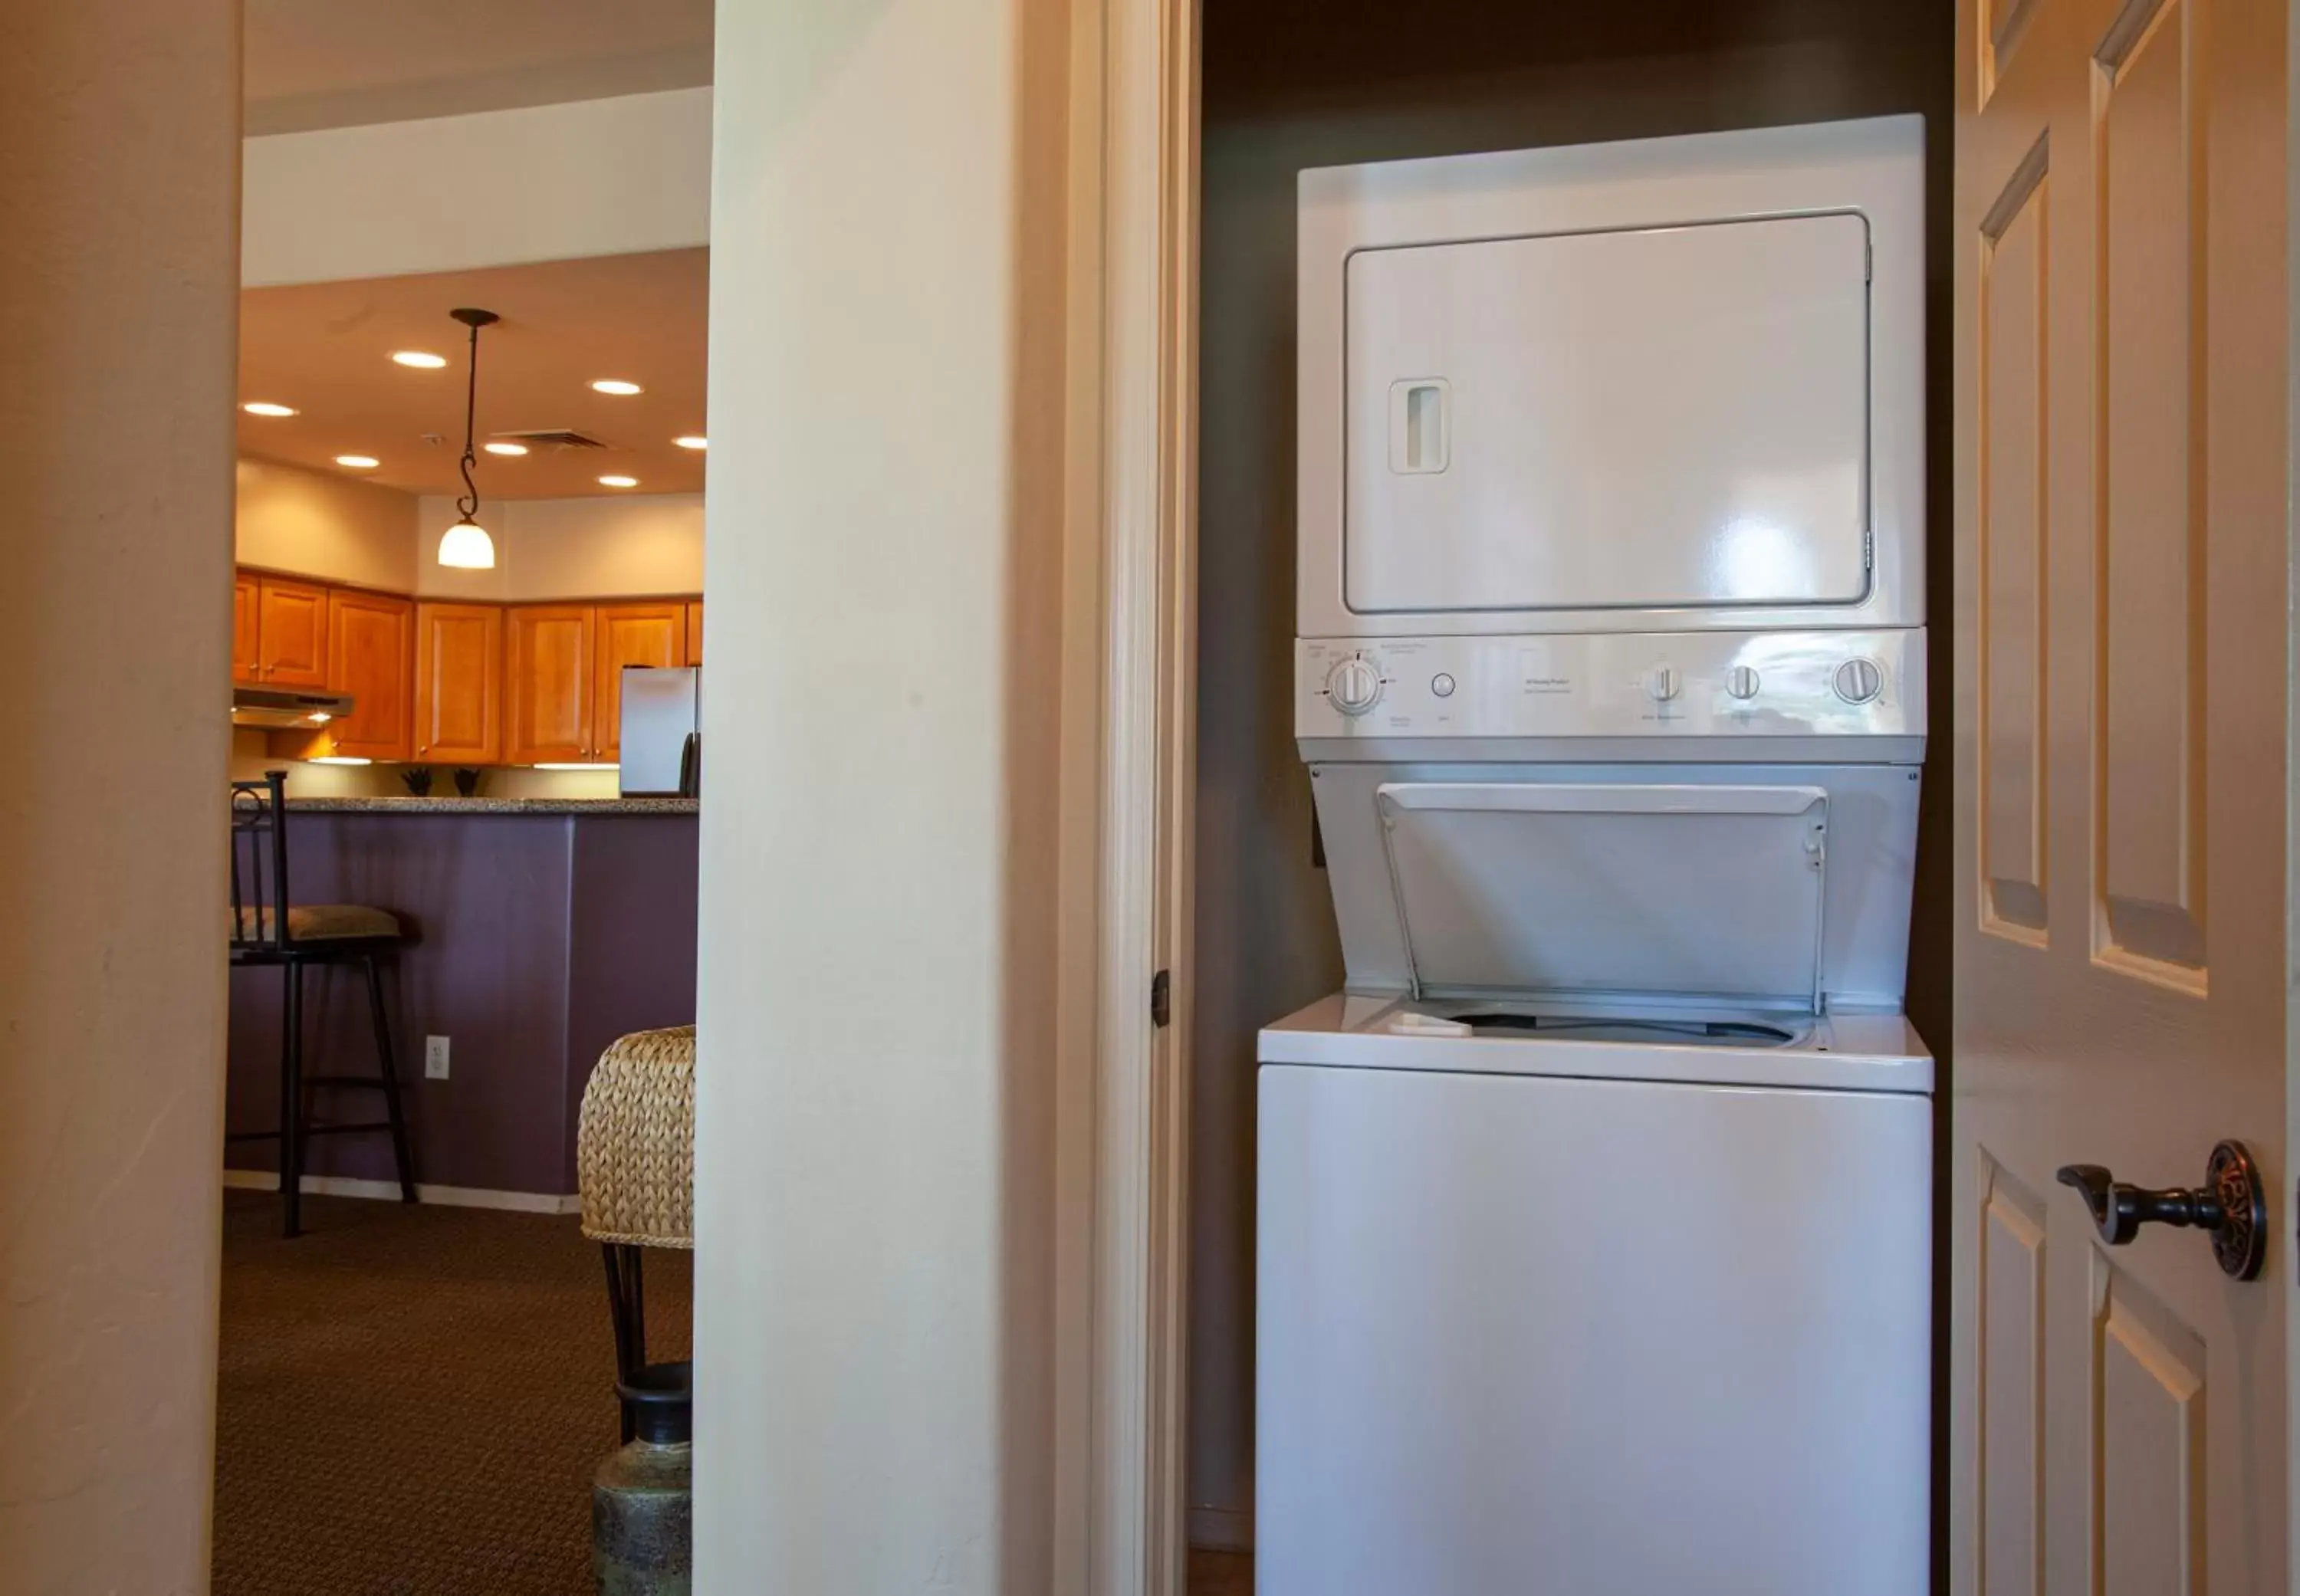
{"x": 1290, "y": 85}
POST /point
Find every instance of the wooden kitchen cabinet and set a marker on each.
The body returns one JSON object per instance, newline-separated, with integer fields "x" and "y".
{"x": 245, "y": 625}
{"x": 459, "y": 684}
{"x": 291, "y": 632}
{"x": 646, "y": 635}
{"x": 695, "y": 631}
{"x": 549, "y": 663}
{"x": 372, "y": 656}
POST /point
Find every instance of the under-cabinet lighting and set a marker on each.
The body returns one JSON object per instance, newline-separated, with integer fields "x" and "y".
{"x": 264, "y": 407}
{"x": 577, "y": 766}
{"x": 339, "y": 759}
{"x": 423, "y": 359}
{"x": 617, "y": 387}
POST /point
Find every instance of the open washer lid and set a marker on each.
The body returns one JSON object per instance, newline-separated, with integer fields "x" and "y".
{"x": 1608, "y": 892}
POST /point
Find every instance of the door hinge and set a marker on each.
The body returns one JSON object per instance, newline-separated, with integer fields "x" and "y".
{"x": 1162, "y": 1000}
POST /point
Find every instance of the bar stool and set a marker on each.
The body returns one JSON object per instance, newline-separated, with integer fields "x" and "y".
{"x": 264, "y": 933}
{"x": 635, "y": 1167}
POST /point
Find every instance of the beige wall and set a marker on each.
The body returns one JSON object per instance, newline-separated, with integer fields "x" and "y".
{"x": 319, "y": 524}
{"x": 876, "y": 1175}
{"x": 642, "y": 544}
{"x": 1471, "y": 75}
{"x": 540, "y": 183}
{"x": 118, "y": 296}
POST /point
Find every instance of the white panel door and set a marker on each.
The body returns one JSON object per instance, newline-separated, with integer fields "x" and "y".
{"x": 1656, "y": 418}
{"x": 2119, "y": 1420}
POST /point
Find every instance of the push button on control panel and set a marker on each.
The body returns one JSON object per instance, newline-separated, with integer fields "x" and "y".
{"x": 1442, "y": 685}
{"x": 1860, "y": 681}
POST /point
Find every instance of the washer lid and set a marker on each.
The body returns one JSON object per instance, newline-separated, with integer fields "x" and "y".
{"x": 1553, "y": 889}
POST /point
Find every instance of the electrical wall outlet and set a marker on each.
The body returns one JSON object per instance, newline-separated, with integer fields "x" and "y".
{"x": 435, "y": 1057}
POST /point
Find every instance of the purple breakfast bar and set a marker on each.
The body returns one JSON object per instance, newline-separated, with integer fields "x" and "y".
{"x": 541, "y": 931}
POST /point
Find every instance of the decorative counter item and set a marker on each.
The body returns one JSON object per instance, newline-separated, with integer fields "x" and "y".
{"x": 417, "y": 780}
{"x": 642, "y": 1500}
{"x": 467, "y": 781}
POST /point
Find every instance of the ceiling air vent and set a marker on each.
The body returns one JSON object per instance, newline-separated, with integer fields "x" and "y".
{"x": 550, "y": 437}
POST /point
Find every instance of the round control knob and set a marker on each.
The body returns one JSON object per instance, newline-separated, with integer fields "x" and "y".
{"x": 1741, "y": 681}
{"x": 1354, "y": 685}
{"x": 1664, "y": 682}
{"x": 1860, "y": 681}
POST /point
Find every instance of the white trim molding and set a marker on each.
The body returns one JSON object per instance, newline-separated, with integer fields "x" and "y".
{"x": 388, "y": 1190}
{"x": 1147, "y": 257}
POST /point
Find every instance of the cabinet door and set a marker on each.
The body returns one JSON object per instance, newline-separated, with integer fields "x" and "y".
{"x": 372, "y": 656}
{"x": 246, "y": 626}
{"x": 651, "y": 634}
{"x": 459, "y": 684}
{"x": 291, "y": 632}
{"x": 549, "y": 658}
{"x": 695, "y": 631}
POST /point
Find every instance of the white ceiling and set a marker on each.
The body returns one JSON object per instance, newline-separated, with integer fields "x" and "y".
{"x": 332, "y": 64}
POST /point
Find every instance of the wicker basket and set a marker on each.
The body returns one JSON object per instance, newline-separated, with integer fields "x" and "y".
{"x": 635, "y": 1142}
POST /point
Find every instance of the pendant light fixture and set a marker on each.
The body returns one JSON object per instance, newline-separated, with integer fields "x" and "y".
{"x": 466, "y": 544}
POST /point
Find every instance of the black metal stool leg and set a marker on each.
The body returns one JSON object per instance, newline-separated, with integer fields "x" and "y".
{"x": 291, "y": 1101}
{"x": 401, "y": 1156}
{"x": 626, "y": 1308}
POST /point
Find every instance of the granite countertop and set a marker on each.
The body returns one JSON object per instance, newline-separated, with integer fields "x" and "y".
{"x": 495, "y": 806}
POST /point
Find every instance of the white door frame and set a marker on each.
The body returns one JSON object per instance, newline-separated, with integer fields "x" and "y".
{"x": 1136, "y": 248}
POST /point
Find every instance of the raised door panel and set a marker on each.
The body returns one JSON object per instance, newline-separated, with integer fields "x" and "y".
{"x": 2011, "y": 1352}
{"x": 245, "y": 627}
{"x": 291, "y": 632}
{"x": 627, "y": 635}
{"x": 548, "y": 659}
{"x": 459, "y": 684}
{"x": 372, "y": 656}
{"x": 695, "y": 631}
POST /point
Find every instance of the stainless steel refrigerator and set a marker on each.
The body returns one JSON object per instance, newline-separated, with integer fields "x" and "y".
{"x": 663, "y": 745}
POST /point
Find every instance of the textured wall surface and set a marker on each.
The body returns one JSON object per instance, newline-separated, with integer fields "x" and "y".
{"x": 118, "y": 288}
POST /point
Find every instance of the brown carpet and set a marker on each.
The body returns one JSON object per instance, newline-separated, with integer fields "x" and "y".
{"x": 411, "y": 1400}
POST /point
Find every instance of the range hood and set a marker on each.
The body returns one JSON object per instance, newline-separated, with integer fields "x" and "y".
{"x": 296, "y": 709}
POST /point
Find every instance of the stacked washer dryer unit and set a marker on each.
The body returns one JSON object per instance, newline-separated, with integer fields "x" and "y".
{"x": 1594, "y": 1237}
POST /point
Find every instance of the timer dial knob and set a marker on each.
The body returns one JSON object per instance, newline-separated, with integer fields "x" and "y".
{"x": 1354, "y": 685}
{"x": 1860, "y": 681}
{"x": 1741, "y": 681}
{"x": 1664, "y": 682}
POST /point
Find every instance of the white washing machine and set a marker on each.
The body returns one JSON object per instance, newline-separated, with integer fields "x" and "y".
{"x": 1594, "y": 1247}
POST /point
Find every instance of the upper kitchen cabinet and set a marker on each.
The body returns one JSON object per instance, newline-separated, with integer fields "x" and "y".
{"x": 626, "y": 635}
{"x": 459, "y": 660}
{"x": 695, "y": 631}
{"x": 246, "y": 626}
{"x": 291, "y": 632}
{"x": 549, "y": 661}
{"x": 370, "y": 656}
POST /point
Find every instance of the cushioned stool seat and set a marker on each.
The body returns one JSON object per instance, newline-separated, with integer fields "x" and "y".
{"x": 319, "y": 922}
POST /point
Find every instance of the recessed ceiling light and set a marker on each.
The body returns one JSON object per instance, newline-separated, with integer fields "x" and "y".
{"x": 618, "y": 386}
{"x": 264, "y": 407}
{"x": 423, "y": 359}
{"x": 692, "y": 441}
{"x": 619, "y": 482}
{"x": 358, "y": 462}
{"x": 506, "y": 448}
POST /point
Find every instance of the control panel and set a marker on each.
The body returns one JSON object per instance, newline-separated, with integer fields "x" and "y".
{"x": 1604, "y": 685}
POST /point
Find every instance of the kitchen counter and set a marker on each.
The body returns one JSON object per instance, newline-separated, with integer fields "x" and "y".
{"x": 539, "y": 930}
{"x": 450, "y": 805}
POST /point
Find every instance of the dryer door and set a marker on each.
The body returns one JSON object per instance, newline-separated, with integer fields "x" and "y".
{"x": 1572, "y": 890}
{"x": 1662, "y": 419}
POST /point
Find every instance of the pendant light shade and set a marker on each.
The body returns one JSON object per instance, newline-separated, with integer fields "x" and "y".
{"x": 466, "y": 546}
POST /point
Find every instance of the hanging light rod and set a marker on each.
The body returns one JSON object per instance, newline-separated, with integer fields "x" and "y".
{"x": 466, "y": 544}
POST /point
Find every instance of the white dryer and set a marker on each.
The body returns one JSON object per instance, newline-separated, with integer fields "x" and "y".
{"x": 1594, "y": 1239}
